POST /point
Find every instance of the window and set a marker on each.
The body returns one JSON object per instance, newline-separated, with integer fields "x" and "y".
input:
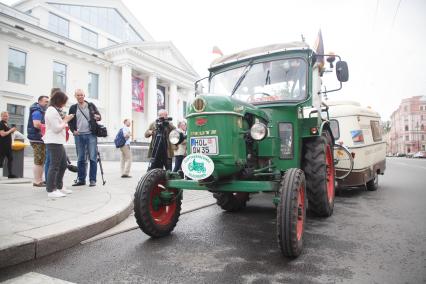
{"x": 406, "y": 138}
{"x": 93, "y": 86}
{"x": 406, "y": 128}
{"x": 106, "y": 19}
{"x": 16, "y": 66}
{"x": 405, "y": 108}
{"x": 423, "y": 137}
{"x": 422, "y": 127}
{"x": 59, "y": 76}
{"x": 89, "y": 38}
{"x": 375, "y": 130}
{"x": 16, "y": 116}
{"x": 58, "y": 25}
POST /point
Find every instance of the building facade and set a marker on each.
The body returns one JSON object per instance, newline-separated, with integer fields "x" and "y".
{"x": 408, "y": 130}
{"x": 94, "y": 45}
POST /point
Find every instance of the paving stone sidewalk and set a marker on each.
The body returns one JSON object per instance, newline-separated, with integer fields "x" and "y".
{"x": 31, "y": 225}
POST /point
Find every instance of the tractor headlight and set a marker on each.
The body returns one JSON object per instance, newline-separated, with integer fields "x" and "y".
{"x": 258, "y": 131}
{"x": 174, "y": 137}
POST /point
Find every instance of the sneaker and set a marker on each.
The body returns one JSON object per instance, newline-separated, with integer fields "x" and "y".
{"x": 40, "y": 184}
{"x": 78, "y": 183}
{"x": 92, "y": 183}
{"x": 55, "y": 194}
{"x": 126, "y": 176}
{"x": 64, "y": 190}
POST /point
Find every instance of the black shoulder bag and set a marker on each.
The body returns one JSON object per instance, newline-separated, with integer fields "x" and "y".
{"x": 98, "y": 129}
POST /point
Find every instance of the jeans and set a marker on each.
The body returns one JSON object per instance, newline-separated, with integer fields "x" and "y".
{"x": 57, "y": 166}
{"x": 86, "y": 143}
{"x": 178, "y": 162}
{"x": 46, "y": 165}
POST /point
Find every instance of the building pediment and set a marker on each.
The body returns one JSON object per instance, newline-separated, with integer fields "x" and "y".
{"x": 164, "y": 53}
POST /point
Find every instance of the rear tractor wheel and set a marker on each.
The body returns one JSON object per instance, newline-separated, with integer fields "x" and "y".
{"x": 157, "y": 208}
{"x": 291, "y": 213}
{"x": 318, "y": 165}
{"x": 231, "y": 201}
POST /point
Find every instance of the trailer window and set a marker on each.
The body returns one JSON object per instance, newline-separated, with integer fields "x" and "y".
{"x": 375, "y": 130}
{"x": 335, "y": 130}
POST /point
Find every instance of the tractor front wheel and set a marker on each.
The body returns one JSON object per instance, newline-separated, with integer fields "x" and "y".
{"x": 157, "y": 209}
{"x": 231, "y": 201}
{"x": 291, "y": 213}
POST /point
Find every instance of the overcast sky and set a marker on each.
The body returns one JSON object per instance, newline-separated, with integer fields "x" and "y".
{"x": 383, "y": 41}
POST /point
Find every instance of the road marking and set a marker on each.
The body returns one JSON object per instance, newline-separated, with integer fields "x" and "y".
{"x": 36, "y": 278}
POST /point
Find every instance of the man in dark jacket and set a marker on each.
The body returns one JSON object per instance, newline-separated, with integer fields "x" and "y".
{"x": 35, "y": 122}
{"x": 83, "y": 127}
{"x": 160, "y": 149}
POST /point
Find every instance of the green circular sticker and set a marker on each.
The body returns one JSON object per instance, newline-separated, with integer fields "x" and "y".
{"x": 197, "y": 166}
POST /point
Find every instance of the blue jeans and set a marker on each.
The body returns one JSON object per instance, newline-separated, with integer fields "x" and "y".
{"x": 86, "y": 143}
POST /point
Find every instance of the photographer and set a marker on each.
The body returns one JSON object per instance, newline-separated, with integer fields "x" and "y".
{"x": 160, "y": 149}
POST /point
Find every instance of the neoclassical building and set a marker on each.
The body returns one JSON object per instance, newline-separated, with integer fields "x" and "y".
{"x": 97, "y": 46}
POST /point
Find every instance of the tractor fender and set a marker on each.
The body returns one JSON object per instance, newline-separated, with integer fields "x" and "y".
{"x": 325, "y": 126}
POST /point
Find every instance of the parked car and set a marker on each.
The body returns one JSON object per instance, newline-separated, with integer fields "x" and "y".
{"x": 410, "y": 155}
{"x": 400, "y": 155}
{"x": 420, "y": 154}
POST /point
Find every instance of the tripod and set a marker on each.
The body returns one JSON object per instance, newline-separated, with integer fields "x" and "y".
{"x": 159, "y": 158}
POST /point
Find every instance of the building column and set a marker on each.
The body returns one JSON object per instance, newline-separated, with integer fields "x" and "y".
{"x": 173, "y": 103}
{"x": 126, "y": 93}
{"x": 152, "y": 98}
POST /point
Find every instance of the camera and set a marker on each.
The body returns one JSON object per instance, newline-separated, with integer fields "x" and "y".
{"x": 161, "y": 122}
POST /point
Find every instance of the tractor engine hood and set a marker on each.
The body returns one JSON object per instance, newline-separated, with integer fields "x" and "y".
{"x": 211, "y": 104}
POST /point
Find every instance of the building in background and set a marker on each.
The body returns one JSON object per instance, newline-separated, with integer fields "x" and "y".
{"x": 97, "y": 46}
{"x": 408, "y": 130}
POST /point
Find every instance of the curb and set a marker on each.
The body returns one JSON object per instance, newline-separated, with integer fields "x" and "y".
{"x": 32, "y": 248}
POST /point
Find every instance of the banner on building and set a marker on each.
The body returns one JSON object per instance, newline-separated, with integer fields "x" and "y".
{"x": 138, "y": 94}
{"x": 161, "y": 97}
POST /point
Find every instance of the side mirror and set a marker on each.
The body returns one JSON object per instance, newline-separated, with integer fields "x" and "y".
{"x": 199, "y": 87}
{"x": 342, "y": 71}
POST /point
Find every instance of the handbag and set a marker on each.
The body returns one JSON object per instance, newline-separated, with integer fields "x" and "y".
{"x": 98, "y": 129}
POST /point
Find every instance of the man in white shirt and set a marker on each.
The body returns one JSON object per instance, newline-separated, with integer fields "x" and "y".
{"x": 126, "y": 153}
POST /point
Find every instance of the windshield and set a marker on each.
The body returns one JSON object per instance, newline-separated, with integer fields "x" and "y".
{"x": 280, "y": 80}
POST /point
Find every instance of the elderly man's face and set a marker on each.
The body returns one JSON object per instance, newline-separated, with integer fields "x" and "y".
{"x": 5, "y": 116}
{"x": 79, "y": 96}
{"x": 163, "y": 114}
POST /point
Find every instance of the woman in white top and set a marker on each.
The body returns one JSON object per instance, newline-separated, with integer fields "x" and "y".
{"x": 55, "y": 138}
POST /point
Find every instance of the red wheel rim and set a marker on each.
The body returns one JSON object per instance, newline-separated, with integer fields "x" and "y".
{"x": 330, "y": 173}
{"x": 164, "y": 213}
{"x": 300, "y": 212}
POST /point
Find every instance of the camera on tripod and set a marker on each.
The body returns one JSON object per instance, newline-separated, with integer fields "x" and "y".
{"x": 162, "y": 122}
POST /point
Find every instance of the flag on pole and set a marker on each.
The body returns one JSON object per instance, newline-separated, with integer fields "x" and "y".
{"x": 216, "y": 50}
{"x": 319, "y": 48}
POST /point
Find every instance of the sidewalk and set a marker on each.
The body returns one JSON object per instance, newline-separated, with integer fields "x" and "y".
{"x": 32, "y": 226}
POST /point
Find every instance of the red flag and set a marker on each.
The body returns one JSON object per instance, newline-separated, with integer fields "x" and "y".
{"x": 319, "y": 48}
{"x": 216, "y": 50}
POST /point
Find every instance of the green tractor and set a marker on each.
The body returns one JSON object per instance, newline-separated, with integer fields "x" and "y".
{"x": 262, "y": 127}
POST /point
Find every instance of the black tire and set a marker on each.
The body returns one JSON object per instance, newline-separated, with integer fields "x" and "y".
{"x": 291, "y": 213}
{"x": 156, "y": 220}
{"x": 321, "y": 198}
{"x": 373, "y": 184}
{"x": 231, "y": 201}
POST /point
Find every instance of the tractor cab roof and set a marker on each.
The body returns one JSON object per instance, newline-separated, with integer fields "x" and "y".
{"x": 259, "y": 51}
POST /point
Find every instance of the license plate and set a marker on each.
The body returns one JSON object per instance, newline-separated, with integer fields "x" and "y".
{"x": 206, "y": 145}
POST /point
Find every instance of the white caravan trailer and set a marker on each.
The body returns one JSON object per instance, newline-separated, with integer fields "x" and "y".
{"x": 359, "y": 130}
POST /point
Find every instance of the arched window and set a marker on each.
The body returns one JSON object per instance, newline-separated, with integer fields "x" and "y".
{"x": 406, "y": 128}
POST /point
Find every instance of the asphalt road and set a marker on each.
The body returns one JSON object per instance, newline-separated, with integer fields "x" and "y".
{"x": 372, "y": 237}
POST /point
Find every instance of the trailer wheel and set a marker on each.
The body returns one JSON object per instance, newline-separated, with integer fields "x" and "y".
{"x": 373, "y": 184}
{"x": 291, "y": 213}
{"x": 318, "y": 165}
{"x": 157, "y": 209}
{"x": 231, "y": 201}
